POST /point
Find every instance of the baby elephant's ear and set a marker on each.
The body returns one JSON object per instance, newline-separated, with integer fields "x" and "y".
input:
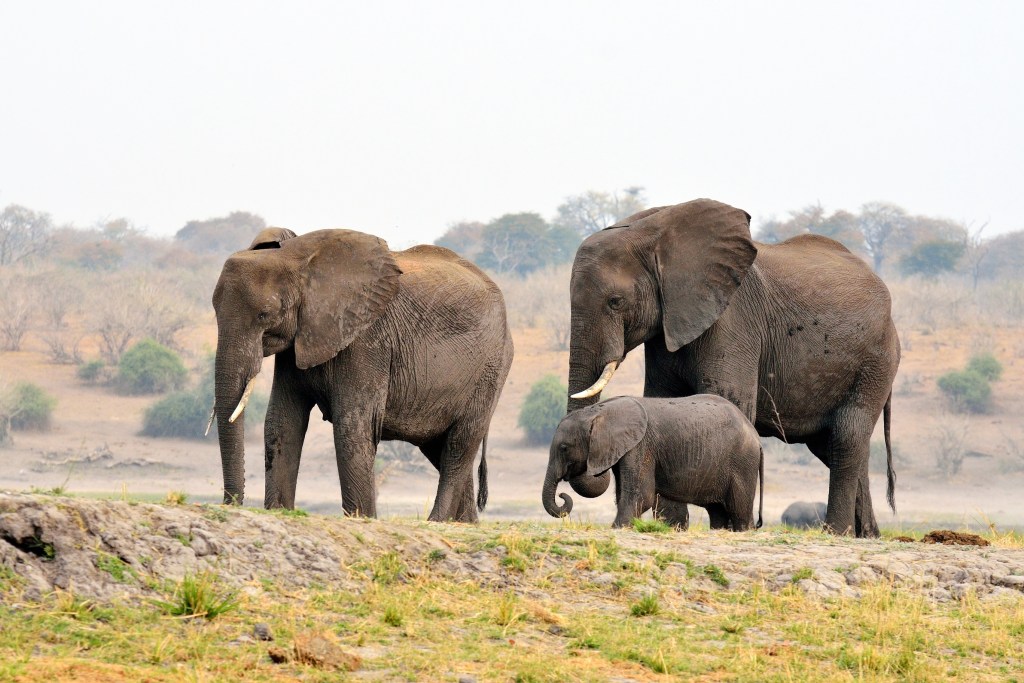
{"x": 617, "y": 429}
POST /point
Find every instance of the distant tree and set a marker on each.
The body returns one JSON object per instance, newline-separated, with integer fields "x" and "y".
{"x": 464, "y": 238}
{"x": 23, "y": 233}
{"x": 881, "y": 224}
{"x": 843, "y": 227}
{"x": 1005, "y": 258}
{"x": 976, "y": 251}
{"x": 17, "y": 305}
{"x": 516, "y": 243}
{"x": 56, "y": 298}
{"x": 592, "y": 211}
{"x": 932, "y": 258}
{"x": 542, "y": 409}
{"x": 222, "y": 236}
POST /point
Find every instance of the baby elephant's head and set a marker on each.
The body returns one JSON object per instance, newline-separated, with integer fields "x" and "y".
{"x": 587, "y": 443}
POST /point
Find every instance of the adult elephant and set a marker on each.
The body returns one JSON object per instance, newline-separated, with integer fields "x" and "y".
{"x": 798, "y": 335}
{"x": 409, "y": 345}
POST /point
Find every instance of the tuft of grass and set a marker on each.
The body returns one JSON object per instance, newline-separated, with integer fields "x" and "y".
{"x": 663, "y": 560}
{"x": 176, "y": 498}
{"x": 197, "y": 595}
{"x": 650, "y": 526}
{"x": 291, "y": 512}
{"x": 645, "y": 606}
{"x": 508, "y": 611}
{"x": 802, "y": 573}
{"x": 387, "y": 568}
{"x": 436, "y": 555}
{"x": 393, "y": 616}
{"x": 715, "y": 574}
{"x": 115, "y": 566}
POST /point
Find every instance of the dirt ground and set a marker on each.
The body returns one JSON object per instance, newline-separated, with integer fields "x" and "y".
{"x": 99, "y": 429}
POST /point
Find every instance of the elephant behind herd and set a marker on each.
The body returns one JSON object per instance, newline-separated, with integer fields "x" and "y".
{"x": 414, "y": 345}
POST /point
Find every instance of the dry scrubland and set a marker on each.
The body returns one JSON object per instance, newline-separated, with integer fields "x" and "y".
{"x": 94, "y": 446}
{"x": 114, "y": 590}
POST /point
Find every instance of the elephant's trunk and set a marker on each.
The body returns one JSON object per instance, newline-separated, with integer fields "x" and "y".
{"x": 583, "y": 373}
{"x": 590, "y": 486}
{"x": 551, "y": 479}
{"x": 232, "y": 378}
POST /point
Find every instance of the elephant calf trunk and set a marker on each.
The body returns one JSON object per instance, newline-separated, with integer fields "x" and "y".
{"x": 553, "y": 508}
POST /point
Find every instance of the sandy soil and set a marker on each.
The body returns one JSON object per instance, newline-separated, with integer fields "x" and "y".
{"x": 95, "y": 422}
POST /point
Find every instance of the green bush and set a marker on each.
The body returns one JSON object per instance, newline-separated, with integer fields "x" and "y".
{"x": 986, "y": 365}
{"x": 150, "y": 368}
{"x": 30, "y": 407}
{"x": 968, "y": 391}
{"x": 184, "y": 414}
{"x": 543, "y": 409}
{"x": 90, "y": 372}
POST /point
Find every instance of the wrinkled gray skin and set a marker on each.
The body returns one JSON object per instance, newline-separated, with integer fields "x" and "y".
{"x": 799, "y": 335}
{"x": 804, "y": 515}
{"x": 409, "y": 345}
{"x": 699, "y": 450}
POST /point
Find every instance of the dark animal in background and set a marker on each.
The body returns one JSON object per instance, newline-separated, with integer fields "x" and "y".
{"x": 698, "y": 450}
{"x": 410, "y": 345}
{"x": 804, "y": 515}
{"x": 799, "y": 335}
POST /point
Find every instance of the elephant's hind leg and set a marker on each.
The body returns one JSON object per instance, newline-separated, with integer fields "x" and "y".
{"x": 846, "y": 449}
{"x": 454, "y": 501}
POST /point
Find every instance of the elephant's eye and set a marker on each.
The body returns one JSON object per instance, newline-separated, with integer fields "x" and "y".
{"x": 563, "y": 447}
{"x": 263, "y": 316}
{"x": 616, "y": 302}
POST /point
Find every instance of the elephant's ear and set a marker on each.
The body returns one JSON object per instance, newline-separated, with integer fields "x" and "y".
{"x": 616, "y": 429}
{"x": 348, "y": 279}
{"x": 271, "y": 238}
{"x": 703, "y": 252}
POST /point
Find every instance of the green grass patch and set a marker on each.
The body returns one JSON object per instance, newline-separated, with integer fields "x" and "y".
{"x": 650, "y": 526}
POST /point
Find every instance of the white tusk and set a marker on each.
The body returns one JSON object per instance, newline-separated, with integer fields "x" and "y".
{"x": 245, "y": 399}
{"x": 213, "y": 411}
{"x": 602, "y": 381}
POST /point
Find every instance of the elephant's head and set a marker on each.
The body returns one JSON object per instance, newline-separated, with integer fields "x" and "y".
{"x": 587, "y": 443}
{"x": 314, "y": 294}
{"x": 668, "y": 270}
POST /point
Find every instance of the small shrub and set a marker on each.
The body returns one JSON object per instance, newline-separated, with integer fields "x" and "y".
{"x": 543, "y": 409}
{"x": 30, "y": 407}
{"x": 968, "y": 391}
{"x": 91, "y": 372}
{"x": 150, "y": 368}
{"x": 802, "y": 573}
{"x": 115, "y": 566}
{"x": 986, "y": 365}
{"x": 176, "y": 498}
{"x": 181, "y": 414}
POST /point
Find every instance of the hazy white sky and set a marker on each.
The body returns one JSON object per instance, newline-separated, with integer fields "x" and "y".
{"x": 398, "y": 118}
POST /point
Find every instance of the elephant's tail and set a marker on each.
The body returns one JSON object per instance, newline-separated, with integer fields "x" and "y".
{"x": 890, "y": 474}
{"x": 760, "y": 503}
{"x": 481, "y": 475}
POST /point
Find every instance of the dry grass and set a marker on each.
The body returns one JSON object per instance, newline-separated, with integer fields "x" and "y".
{"x": 653, "y": 617}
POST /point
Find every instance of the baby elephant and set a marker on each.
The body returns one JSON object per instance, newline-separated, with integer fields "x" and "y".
{"x": 802, "y": 515}
{"x": 698, "y": 449}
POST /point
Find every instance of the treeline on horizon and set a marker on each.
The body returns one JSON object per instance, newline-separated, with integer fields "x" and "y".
{"x": 115, "y": 284}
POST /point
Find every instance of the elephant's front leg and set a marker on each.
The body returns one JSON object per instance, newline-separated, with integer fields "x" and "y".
{"x": 283, "y": 434}
{"x": 635, "y": 494}
{"x": 356, "y": 449}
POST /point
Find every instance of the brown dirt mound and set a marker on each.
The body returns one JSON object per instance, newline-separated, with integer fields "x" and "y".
{"x": 947, "y": 537}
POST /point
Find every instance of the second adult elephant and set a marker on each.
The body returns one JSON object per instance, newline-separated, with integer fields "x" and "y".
{"x": 798, "y": 335}
{"x": 409, "y": 345}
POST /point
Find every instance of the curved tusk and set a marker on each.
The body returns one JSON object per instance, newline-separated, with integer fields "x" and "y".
{"x": 602, "y": 381}
{"x": 245, "y": 399}
{"x": 213, "y": 412}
